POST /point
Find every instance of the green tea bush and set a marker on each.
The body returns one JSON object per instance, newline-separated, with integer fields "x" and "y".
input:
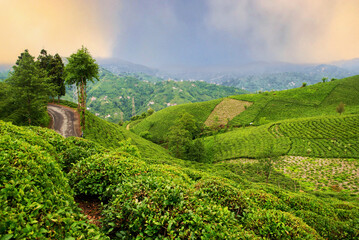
{"x": 327, "y": 227}
{"x": 301, "y": 202}
{"x": 78, "y": 149}
{"x": 163, "y": 207}
{"x": 36, "y": 200}
{"x": 98, "y": 174}
{"x": 275, "y": 224}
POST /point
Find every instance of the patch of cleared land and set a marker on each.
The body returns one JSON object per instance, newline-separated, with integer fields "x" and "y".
{"x": 226, "y": 110}
{"x": 322, "y": 173}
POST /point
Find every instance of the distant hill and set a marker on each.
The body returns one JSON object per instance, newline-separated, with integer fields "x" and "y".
{"x": 266, "y": 76}
{"x": 118, "y": 66}
{"x": 256, "y": 76}
{"x": 114, "y": 94}
{"x": 351, "y": 65}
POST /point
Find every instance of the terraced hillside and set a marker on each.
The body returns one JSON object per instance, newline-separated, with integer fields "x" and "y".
{"x": 335, "y": 136}
{"x": 320, "y": 99}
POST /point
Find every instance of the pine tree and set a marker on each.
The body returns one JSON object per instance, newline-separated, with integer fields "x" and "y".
{"x": 30, "y": 90}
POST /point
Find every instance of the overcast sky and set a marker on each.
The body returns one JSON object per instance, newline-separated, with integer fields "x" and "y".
{"x": 162, "y": 33}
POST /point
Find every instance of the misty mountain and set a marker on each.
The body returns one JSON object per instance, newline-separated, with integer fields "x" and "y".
{"x": 118, "y": 66}
{"x": 351, "y": 65}
{"x": 252, "y": 77}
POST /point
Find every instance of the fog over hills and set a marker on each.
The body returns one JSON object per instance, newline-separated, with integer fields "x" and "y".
{"x": 256, "y": 76}
{"x": 252, "y": 77}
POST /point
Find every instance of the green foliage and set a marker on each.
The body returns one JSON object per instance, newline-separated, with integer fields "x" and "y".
{"x": 110, "y": 135}
{"x": 28, "y": 92}
{"x": 315, "y": 100}
{"x": 160, "y": 204}
{"x": 340, "y": 108}
{"x": 80, "y": 69}
{"x": 144, "y": 197}
{"x": 36, "y": 199}
{"x": 99, "y": 174}
{"x": 180, "y": 138}
{"x": 168, "y": 117}
{"x": 54, "y": 68}
{"x": 275, "y": 224}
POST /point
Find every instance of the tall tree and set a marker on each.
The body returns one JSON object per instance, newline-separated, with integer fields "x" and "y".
{"x": 80, "y": 69}
{"x": 55, "y": 69}
{"x": 30, "y": 90}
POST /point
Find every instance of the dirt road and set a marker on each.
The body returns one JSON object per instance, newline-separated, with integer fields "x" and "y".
{"x": 65, "y": 120}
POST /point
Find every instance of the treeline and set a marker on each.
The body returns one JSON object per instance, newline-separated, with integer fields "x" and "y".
{"x": 26, "y": 92}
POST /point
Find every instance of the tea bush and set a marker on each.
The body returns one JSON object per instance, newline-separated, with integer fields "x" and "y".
{"x": 36, "y": 200}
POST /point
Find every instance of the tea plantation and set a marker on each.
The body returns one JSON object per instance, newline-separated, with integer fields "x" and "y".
{"x": 144, "y": 197}
{"x": 320, "y": 99}
{"x": 309, "y": 191}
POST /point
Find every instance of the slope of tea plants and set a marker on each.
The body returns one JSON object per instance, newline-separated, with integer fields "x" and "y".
{"x": 146, "y": 198}
{"x": 320, "y": 99}
{"x": 36, "y": 198}
{"x": 159, "y": 123}
{"x": 332, "y": 136}
{"x": 324, "y": 174}
{"x": 322, "y": 136}
{"x": 110, "y": 135}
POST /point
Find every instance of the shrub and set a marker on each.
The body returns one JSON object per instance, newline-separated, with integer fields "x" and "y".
{"x": 275, "y": 224}
{"x": 36, "y": 200}
{"x": 159, "y": 206}
{"x": 99, "y": 174}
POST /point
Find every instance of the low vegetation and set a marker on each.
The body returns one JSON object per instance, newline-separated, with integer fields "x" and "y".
{"x": 147, "y": 198}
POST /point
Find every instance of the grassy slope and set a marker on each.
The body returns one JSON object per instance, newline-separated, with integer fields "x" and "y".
{"x": 213, "y": 204}
{"x": 167, "y": 117}
{"x": 319, "y": 99}
{"x": 316, "y": 100}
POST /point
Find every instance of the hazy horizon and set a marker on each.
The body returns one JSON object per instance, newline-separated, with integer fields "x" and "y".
{"x": 186, "y": 33}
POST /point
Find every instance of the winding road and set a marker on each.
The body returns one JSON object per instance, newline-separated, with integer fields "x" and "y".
{"x": 65, "y": 120}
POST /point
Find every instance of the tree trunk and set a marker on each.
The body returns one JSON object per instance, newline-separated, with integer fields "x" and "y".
{"x": 78, "y": 99}
{"x": 83, "y": 104}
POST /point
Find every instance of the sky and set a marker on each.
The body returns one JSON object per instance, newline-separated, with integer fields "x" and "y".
{"x": 163, "y": 33}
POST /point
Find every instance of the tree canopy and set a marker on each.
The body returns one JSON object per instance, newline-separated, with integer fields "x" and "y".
{"x": 29, "y": 89}
{"x": 80, "y": 69}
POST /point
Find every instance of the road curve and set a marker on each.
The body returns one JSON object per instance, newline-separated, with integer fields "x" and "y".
{"x": 65, "y": 120}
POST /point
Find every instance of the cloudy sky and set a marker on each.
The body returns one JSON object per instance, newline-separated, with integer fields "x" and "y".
{"x": 162, "y": 33}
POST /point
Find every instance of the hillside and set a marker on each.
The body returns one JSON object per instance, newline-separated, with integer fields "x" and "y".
{"x": 113, "y": 94}
{"x": 43, "y": 174}
{"x": 320, "y": 99}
